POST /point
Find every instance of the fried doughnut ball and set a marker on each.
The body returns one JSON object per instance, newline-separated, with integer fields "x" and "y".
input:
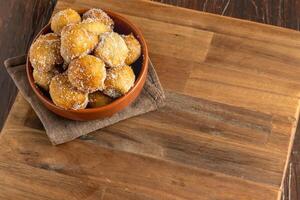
{"x": 63, "y": 18}
{"x": 119, "y": 81}
{"x": 134, "y": 48}
{"x": 112, "y": 49}
{"x": 44, "y": 52}
{"x": 66, "y": 96}
{"x": 43, "y": 79}
{"x": 87, "y": 73}
{"x": 95, "y": 26}
{"x": 96, "y": 13}
{"x": 98, "y": 99}
{"x": 49, "y": 36}
{"x": 76, "y": 41}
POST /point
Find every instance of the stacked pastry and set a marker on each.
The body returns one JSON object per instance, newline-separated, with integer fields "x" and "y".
{"x": 84, "y": 62}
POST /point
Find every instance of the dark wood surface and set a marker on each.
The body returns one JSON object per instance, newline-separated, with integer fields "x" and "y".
{"x": 18, "y": 22}
{"x": 284, "y": 13}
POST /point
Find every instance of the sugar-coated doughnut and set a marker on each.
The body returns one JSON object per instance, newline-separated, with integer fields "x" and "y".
{"x": 87, "y": 73}
{"x": 63, "y": 18}
{"x": 96, "y": 13}
{"x": 44, "y": 53}
{"x": 76, "y": 41}
{"x": 98, "y": 99}
{"x": 134, "y": 48}
{"x": 119, "y": 81}
{"x": 66, "y": 96}
{"x": 43, "y": 79}
{"x": 95, "y": 26}
{"x": 112, "y": 49}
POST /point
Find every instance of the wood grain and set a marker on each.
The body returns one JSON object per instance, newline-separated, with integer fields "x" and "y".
{"x": 284, "y": 13}
{"x": 18, "y": 24}
{"x": 225, "y": 132}
{"x": 281, "y": 13}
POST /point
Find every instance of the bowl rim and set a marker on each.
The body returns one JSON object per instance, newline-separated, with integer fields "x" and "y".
{"x": 139, "y": 80}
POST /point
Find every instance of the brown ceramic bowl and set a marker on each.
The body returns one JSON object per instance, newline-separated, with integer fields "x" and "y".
{"x": 140, "y": 67}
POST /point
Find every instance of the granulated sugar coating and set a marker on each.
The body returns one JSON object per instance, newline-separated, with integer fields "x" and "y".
{"x": 43, "y": 78}
{"x": 66, "y": 96}
{"x": 112, "y": 49}
{"x": 76, "y": 41}
{"x": 44, "y": 53}
{"x": 87, "y": 73}
{"x": 63, "y": 18}
{"x": 119, "y": 81}
{"x": 95, "y": 26}
{"x": 134, "y": 48}
{"x": 96, "y": 13}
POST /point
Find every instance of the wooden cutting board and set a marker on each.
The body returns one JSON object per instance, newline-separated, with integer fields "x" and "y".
{"x": 232, "y": 89}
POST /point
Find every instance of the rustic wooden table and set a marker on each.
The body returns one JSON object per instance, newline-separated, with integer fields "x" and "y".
{"x": 267, "y": 13}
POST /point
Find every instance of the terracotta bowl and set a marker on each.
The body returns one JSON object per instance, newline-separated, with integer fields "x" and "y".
{"x": 140, "y": 67}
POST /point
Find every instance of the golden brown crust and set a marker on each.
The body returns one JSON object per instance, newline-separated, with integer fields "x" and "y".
{"x": 98, "y": 99}
{"x": 64, "y": 18}
{"x": 87, "y": 73}
{"x": 134, "y": 48}
{"x": 64, "y": 95}
{"x": 76, "y": 41}
{"x": 95, "y": 26}
{"x": 112, "y": 49}
{"x": 43, "y": 79}
{"x": 119, "y": 81}
{"x": 44, "y": 53}
{"x": 96, "y": 13}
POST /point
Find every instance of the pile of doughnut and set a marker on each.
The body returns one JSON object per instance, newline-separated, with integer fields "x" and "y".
{"x": 83, "y": 62}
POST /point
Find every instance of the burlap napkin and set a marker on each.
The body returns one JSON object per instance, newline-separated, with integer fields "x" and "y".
{"x": 61, "y": 130}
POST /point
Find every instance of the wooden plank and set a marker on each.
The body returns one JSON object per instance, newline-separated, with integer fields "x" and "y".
{"x": 152, "y": 178}
{"x": 264, "y": 59}
{"x": 179, "y": 39}
{"x": 19, "y": 181}
{"x": 230, "y": 94}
